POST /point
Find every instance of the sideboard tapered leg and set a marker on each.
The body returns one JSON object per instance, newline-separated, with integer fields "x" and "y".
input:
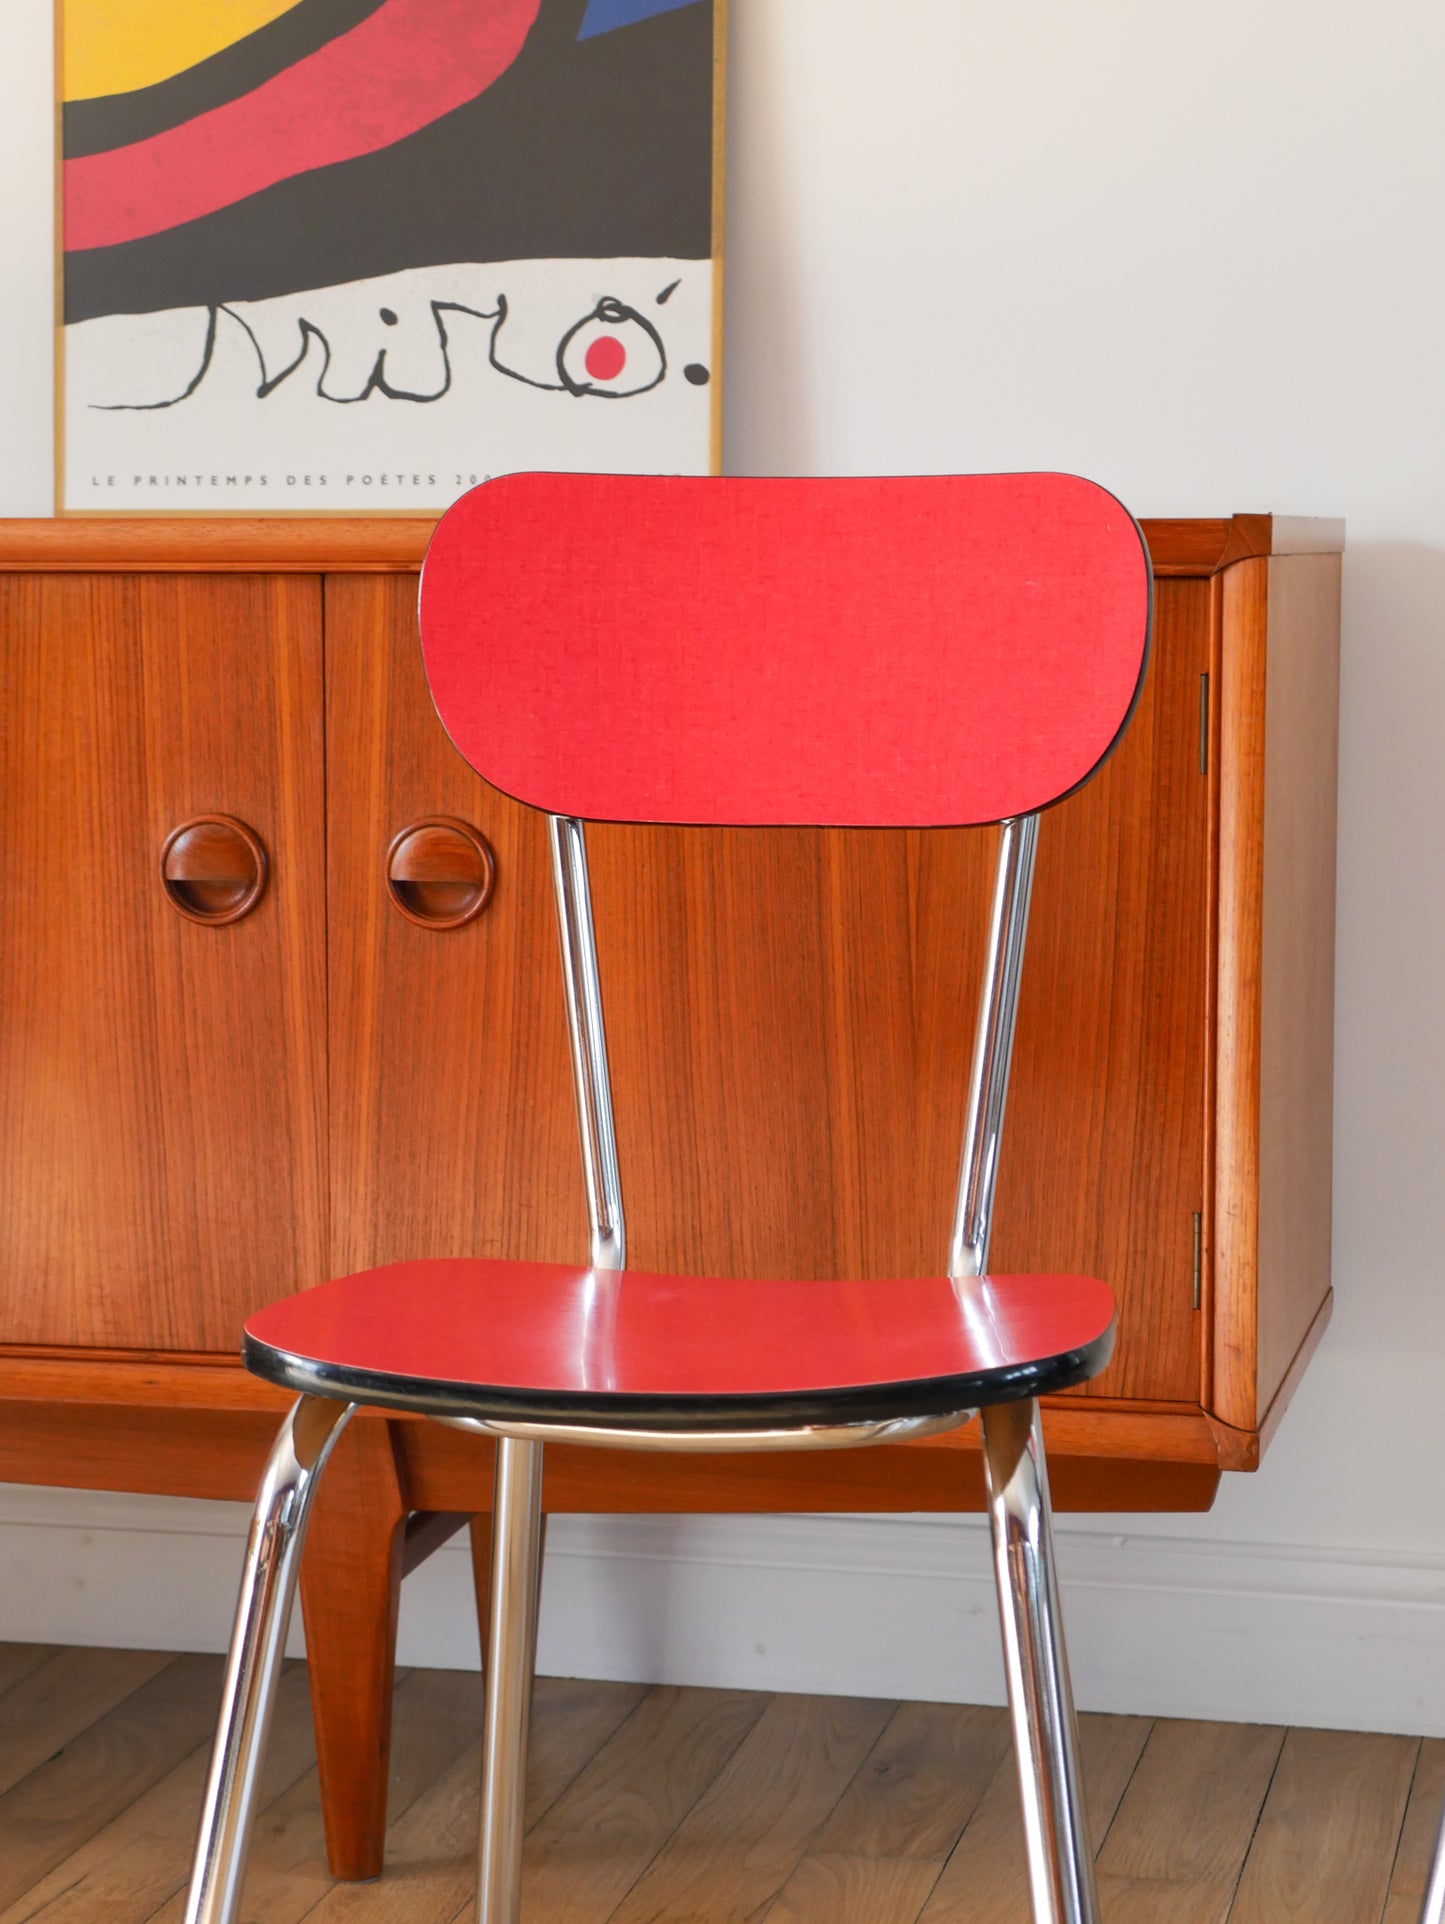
{"x": 350, "y": 1594}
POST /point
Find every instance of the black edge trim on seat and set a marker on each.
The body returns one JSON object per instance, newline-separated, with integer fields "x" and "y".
{"x": 869, "y": 1403}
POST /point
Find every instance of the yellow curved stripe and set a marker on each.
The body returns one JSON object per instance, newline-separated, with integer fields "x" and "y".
{"x": 114, "y": 46}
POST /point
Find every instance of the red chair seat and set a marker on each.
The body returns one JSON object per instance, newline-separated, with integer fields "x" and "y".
{"x": 545, "y": 1341}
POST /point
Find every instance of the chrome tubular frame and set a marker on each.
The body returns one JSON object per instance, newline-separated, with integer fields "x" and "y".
{"x": 589, "y": 1043}
{"x": 699, "y": 1442}
{"x": 517, "y": 1505}
{"x": 1061, "y": 1869}
{"x": 1041, "y": 1703}
{"x": 1060, "y": 1863}
{"x": 511, "y": 1660}
{"x": 993, "y": 1048}
{"x": 258, "y": 1642}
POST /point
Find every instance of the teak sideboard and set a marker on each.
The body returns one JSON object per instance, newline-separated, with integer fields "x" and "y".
{"x": 198, "y": 1116}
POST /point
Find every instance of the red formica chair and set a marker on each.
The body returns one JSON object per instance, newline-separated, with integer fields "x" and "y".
{"x": 905, "y": 653}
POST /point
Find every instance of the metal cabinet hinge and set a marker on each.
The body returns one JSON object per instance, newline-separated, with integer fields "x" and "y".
{"x": 1198, "y": 1260}
{"x": 1204, "y": 724}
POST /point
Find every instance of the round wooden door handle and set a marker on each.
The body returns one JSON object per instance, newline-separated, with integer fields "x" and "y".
{"x": 214, "y": 869}
{"x": 440, "y": 872}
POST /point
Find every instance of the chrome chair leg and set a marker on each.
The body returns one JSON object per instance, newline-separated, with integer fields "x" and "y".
{"x": 1061, "y": 1865}
{"x": 1433, "y": 1909}
{"x": 268, "y": 1588}
{"x": 511, "y": 1659}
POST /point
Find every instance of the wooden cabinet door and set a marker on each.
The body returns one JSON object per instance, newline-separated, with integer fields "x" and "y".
{"x": 452, "y": 1129}
{"x": 162, "y": 1083}
{"x": 790, "y": 1015}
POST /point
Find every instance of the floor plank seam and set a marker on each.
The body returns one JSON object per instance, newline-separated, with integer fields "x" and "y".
{"x": 23, "y": 1676}
{"x": 110, "y": 1710}
{"x": 928, "y": 1894}
{"x": 1007, "y": 1762}
{"x": 64, "y": 1892}
{"x": 1123, "y": 1794}
{"x": 1248, "y": 1851}
{"x": 1400, "y": 1835}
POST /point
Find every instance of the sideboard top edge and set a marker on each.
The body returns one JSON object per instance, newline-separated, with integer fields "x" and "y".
{"x": 1180, "y": 546}
{"x": 133, "y": 544}
{"x": 384, "y": 544}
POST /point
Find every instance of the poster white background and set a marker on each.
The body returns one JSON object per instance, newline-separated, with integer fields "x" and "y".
{"x": 322, "y": 437}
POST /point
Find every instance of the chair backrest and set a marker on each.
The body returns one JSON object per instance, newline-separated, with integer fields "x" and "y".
{"x": 910, "y": 652}
{"x": 915, "y": 651}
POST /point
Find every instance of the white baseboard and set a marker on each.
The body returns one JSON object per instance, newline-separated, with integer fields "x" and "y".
{"x": 870, "y": 1606}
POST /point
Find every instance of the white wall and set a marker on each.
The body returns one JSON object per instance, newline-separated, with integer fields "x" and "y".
{"x": 1200, "y": 258}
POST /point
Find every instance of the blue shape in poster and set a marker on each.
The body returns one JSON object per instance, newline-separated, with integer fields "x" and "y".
{"x": 602, "y": 16}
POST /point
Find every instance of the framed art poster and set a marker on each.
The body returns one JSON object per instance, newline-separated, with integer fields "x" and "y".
{"x": 330, "y": 255}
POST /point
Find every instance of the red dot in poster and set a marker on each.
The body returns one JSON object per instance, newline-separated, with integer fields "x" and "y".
{"x": 606, "y": 358}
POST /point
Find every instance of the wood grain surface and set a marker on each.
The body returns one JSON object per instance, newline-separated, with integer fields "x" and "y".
{"x": 1297, "y": 941}
{"x": 1184, "y": 1826}
{"x": 986, "y": 1880}
{"x": 350, "y": 1602}
{"x": 1100, "y": 1458}
{"x": 607, "y": 1827}
{"x": 435, "y": 1724}
{"x": 126, "y": 1867}
{"x": 436, "y": 1837}
{"x": 18, "y": 1660}
{"x": 1411, "y": 1871}
{"x": 452, "y": 1128}
{"x": 452, "y": 1125}
{"x": 216, "y": 543}
{"x": 1279, "y": 699}
{"x": 1329, "y": 1829}
{"x": 162, "y": 1085}
{"x": 116, "y": 1758}
{"x": 1235, "y": 1227}
{"x": 719, "y": 1805}
{"x": 883, "y": 1848}
{"x": 48, "y": 1704}
{"x": 741, "y": 1841}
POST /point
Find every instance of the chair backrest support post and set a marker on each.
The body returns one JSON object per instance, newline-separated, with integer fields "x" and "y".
{"x": 592, "y": 1083}
{"x": 993, "y": 1048}
{"x": 988, "y": 1077}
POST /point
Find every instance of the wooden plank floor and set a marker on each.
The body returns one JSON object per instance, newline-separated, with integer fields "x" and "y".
{"x": 669, "y": 1806}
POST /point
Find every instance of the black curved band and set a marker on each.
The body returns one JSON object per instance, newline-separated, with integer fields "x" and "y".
{"x": 861, "y": 1403}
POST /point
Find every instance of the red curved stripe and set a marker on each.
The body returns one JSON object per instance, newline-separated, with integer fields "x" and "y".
{"x": 404, "y": 66}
